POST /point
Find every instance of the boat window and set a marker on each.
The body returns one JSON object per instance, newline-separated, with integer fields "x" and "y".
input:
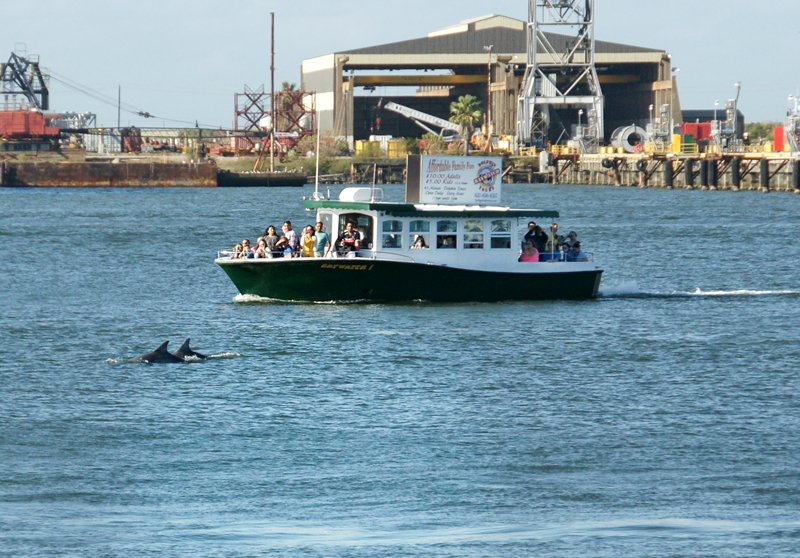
{"x": 501, "y": 234}
{"x": 392, "y": 234}
{"x": 327, "y": 223}
{"x": 446, "y": 234}
{"x": 363, "y": 224}
{"x": 473, "y": 234}
{"x": 419, "y": 236}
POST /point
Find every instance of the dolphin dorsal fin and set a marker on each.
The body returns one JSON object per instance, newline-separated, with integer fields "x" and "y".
{"x": 184, "y": 348}
{"x": 162, "y": 348}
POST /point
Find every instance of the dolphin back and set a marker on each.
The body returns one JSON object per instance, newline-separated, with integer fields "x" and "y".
{"x": 159, "y": 356}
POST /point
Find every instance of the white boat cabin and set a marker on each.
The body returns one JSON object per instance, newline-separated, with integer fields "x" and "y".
{"x": 476, "y": 237}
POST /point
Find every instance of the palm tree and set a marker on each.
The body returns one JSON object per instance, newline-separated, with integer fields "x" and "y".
{"x": 466, "y": 112}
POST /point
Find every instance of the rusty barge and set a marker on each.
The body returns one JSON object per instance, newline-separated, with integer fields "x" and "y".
{"x": 135, "y": 174}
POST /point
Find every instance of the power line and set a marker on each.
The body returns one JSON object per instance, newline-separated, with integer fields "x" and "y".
{"x": 103, "y": 98}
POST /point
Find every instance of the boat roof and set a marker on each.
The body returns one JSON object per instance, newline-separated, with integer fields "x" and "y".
{"x": 398, "y": 209}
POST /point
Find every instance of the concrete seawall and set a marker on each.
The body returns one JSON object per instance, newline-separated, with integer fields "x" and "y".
{"x": 777, "y": 173}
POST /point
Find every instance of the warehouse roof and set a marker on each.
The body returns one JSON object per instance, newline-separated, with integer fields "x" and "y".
{"x": 507, "y": 35}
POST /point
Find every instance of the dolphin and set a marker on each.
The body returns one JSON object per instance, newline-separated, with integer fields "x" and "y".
{"x": 160, "y": 356}
{"x": 185, "y": 352}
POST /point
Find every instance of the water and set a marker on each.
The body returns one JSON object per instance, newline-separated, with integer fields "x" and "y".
{"x": 659, "y": 420}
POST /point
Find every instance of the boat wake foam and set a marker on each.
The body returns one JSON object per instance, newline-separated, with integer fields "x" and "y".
{"x": 630, "y": 289}
{"x": 250, "y": 299}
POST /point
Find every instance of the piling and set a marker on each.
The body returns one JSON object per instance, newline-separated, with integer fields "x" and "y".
{"x": 688, "y": 175}
{"x": 765, "y": 174}
{"x": 704, "y": 173}
{"x": 669, "y": 175}
{"x": 796, "y": 175}
{"x": 736, "y": 172}
{"x": 713, "y": 173}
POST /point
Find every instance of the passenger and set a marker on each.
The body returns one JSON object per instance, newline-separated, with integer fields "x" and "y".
{"x": 237, "y": 252}
{"x": 549, "y": 255}
{"x": 349, "y": 242}
{"x": 290, "y": 235}
{"x": 390, "y": 242}
{"x": 539, "y": 238}
{"x": 419, "y": 243}
{"x": 571, "y": 239}
{"x": 553, "y": 235}
{"x": 283, "y": 248}
{"x": 262, "y": 251}
{"x": 531, "y": 230}
{"x": 307, "y": 242}
{"x": 448, "y": 242}
{"x": 529, "y": 252}
{"x": 322, "y": 241}
{"x": 247, "y": 250}
{"x": 576, "y": 255}
{"x": 272, "y": 238}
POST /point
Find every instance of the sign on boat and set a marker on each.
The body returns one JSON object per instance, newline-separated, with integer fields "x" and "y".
{"x": 443, "y": 244}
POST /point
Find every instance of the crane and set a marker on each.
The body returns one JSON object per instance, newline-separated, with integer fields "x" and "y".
{"x": 422, "y": 120}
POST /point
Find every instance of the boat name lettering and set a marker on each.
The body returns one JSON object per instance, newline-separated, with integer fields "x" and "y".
{"x": 343, "y": 266}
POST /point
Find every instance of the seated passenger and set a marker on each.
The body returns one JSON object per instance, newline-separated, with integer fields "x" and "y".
{"x": 237, "y": 252}
{"x": 348, "y": 242}
{"x": 247, "y": 250}
{"x": 419, "y": 243}
{"x": 549, "y": 255}
{"x": 261, "y": 250}
{"x": 576, "y": 255}
{"x": 307, "y": 242}
{"x": 390, "y": 241}
{"x": 284, "y": 248}
{"x": 448, "y": 242}
{"x": 529, "y": 252}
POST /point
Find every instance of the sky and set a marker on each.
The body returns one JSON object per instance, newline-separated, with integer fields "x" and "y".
{"x": 183, "y": 60}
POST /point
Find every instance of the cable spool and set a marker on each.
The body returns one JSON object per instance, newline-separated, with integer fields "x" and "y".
{"x": 630, "y": 138}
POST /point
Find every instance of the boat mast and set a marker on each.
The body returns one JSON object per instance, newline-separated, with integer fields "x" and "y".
{"x": 316, "y": 179}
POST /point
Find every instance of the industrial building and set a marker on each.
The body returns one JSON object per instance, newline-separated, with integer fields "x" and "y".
{"x": 485, "y": 57}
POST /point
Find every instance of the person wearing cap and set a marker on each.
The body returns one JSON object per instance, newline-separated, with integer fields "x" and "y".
{"x": 576, "y": 254}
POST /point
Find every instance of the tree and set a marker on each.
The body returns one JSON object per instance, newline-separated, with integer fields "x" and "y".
{"x": 466, "y": 112}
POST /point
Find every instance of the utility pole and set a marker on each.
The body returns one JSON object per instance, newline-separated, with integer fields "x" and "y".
{"x": 272, "y": 99}
{"x": 119, "y": 104}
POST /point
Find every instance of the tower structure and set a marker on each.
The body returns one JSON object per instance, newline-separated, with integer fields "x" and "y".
{"x": 21, "y": 76}
{"x": 560, "y": 74}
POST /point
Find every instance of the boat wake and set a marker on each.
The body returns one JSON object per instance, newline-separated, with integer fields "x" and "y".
{"x": 255, "y": 299}
{"x": 630, "y": 289}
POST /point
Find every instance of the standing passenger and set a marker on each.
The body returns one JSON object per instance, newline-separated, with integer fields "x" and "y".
{"x": 291, "y": 236}
{"x": 322, "y": 241}
{"x": 348, "y": 242}
{"x": 307, "y": 243}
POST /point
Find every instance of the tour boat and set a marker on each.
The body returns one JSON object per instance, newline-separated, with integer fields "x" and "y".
{"x": 471, "y": 254}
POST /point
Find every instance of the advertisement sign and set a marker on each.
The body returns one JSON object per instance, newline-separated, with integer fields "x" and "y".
{"x": 460, "y": 180}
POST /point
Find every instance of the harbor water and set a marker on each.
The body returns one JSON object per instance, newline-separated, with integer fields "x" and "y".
{"x": 661, "y": 419}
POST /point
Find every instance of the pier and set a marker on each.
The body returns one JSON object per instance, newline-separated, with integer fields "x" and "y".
{"x": 778, "y": 172}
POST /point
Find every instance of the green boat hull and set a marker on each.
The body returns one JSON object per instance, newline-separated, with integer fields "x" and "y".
{"x": 322, "y": 280}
